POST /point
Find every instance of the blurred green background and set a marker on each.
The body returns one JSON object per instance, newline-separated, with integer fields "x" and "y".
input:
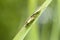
{"x": 13, "y": 14}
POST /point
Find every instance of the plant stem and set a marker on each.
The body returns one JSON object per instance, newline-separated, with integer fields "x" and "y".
{"x": 27, "y": 26}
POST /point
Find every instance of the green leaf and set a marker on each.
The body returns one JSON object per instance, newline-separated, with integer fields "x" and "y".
{"x": 32, "y": 19}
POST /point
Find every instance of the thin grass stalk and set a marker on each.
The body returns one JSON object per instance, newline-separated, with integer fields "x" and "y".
{"x": 56, "y": 22}
{"x": 27, "y": 26}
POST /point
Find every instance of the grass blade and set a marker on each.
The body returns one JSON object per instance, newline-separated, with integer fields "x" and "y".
{"x": 25, "y": 29}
